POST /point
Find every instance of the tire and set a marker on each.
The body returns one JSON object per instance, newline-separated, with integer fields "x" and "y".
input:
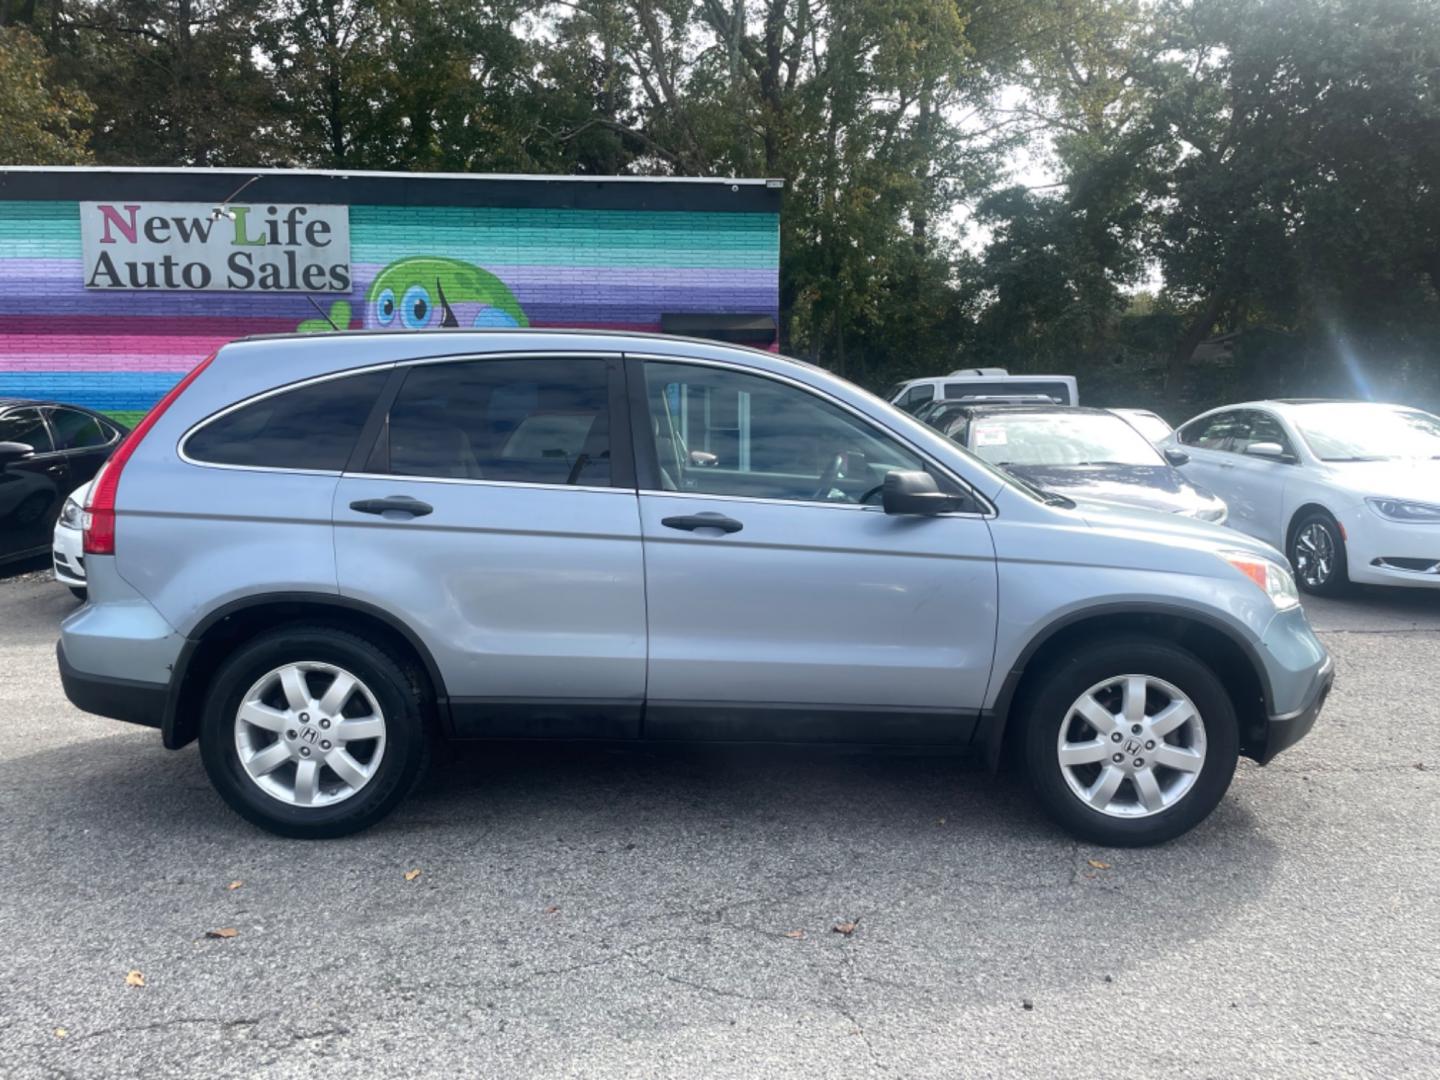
{"x": 79, "y": 592}
{"x": 1049, "y": 715}
{"x": 259, "y": 676}
{"x": 1309, "y": 539}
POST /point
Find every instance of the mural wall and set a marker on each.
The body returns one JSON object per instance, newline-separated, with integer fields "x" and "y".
{"x": 412, "y": 267}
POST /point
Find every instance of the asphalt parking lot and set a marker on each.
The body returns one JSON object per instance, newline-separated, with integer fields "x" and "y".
{"x": 595, "y": 913}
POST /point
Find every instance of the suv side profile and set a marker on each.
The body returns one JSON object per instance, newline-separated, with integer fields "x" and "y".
{"x": 318, "y": 553}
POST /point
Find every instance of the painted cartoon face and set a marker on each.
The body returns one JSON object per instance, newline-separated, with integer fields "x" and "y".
{"x": 427, "y": 291}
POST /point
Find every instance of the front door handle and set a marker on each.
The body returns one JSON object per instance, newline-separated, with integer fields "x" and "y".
{"x": 401, "y": 503}
{"x": 706, "y": 520}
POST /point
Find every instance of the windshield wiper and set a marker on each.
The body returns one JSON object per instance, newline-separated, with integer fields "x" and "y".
{"x": 1045, "y": 495}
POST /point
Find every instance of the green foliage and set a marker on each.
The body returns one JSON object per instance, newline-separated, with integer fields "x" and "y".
{"x": 41, "y": 123}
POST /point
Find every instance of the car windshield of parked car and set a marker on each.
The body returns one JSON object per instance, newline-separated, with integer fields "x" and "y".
{"x": 1059, "y": 438}
{"x": 1357, "y": 431}
{"x": 1148, "y": 424}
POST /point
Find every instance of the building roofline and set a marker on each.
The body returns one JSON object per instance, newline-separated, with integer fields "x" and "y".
{"x": 83, "y": 183}
{"x": 384, "y": 174}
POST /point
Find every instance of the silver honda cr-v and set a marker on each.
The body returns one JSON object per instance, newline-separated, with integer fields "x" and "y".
{"x": 319, "y": 553}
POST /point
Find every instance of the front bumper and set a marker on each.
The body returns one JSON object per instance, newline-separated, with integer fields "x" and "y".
{"x": 1381, "y": 552}
{"x": 130, "y": 700}
{"x": 1284, "y": 730}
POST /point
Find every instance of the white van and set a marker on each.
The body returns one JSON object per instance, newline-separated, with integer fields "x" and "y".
{"x": 983, "y": 384}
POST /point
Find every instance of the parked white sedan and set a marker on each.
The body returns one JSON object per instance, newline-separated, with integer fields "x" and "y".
{"x": 68, "y": 548}
{"x": 1349, "y": 490}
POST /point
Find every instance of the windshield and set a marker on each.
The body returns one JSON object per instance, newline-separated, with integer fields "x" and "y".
{"x": 1357, "y": 431}
{"x": 1060, "y": 438}
{"x": 1148, "y": 424}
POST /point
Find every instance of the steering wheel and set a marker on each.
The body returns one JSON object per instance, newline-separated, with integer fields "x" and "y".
{"x": 833, "y": 469}
{"x": 871, "y": 494}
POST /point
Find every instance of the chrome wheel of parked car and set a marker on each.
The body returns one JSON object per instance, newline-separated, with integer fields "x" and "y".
{"x": 310, "y": 734}
{"x": 1315, "y": 555}
{"x": 1131, "y": 746}
{"x": 1317, "y": 552}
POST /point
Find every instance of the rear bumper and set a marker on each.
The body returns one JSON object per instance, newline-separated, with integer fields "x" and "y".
{"x": 1286, "y": 729}
{"x": 129, "y": 700}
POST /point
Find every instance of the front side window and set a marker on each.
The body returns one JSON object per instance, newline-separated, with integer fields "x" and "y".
{"x": 26, "y": 426}
{"x": 76, "y": 430}
{"x": 312, "y": 427}
{"x": 1213, "y": 432}
{"x": 532, "y": 421}
{"x": 1261, "y": 428}
{"x": 721, "y": 432}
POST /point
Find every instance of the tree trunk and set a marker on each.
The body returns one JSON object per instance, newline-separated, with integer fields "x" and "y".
{"x": 335, "y": 98}
{"x": 1198, "y": 330}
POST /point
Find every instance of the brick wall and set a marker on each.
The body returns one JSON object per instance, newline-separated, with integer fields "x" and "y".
{"x": 119, "y": 351}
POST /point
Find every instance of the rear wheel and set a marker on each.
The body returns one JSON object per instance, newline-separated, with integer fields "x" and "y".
{"x": 311, "y": 731}
{"x": 1317, "y": 552}
{"x": 1130, "y": 742}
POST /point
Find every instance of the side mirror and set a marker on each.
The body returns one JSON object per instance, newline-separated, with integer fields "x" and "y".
{"x": 1177, "y": 457}
{"x": 14, "y": 451}
{"x": 703, "y": 459}
{"x": 1272, "y": 450}
{"x": 916, "y": 493}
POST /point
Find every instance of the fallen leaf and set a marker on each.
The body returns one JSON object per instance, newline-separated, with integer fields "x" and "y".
{"x": 60, "y": 1033}
{"x": 846, "y": 928}
{"x": 411, "y": 875}
{"x": 1096, "y": 864}
{"x": 552, "y": 909}
{"x": 227, "y": 932}
{"x": 797, "y": 934}
{"x": 234, "y": 885}
{"x": 134, "y": 979}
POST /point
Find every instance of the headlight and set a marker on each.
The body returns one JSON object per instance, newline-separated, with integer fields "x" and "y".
{"x": 70, "y": 514}
{"x": 1217, "y": 513}
{"x": 1400, "y": 510}
{"x": 1270, "y": 576}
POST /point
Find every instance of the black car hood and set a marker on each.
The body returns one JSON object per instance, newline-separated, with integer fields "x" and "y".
{"x": 1153, "y": 487}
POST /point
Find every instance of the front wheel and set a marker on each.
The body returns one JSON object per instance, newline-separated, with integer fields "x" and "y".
{"x": 1317, "y": 552}
{"x": 1130, "y": 742}
{"x": 311, "y": 731}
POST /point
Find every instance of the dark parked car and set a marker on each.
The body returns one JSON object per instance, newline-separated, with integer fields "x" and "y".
{"x": 47, "y": 450}
{"x": 1088, "y": 454}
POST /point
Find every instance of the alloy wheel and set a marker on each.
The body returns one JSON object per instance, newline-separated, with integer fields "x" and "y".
{"x": 310, "y": 734}
{"x": 1314, "y": 555}
{"x": 1131, "y": 746}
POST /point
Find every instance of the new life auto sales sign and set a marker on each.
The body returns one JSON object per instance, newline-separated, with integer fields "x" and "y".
{"x": 190, "y": 246}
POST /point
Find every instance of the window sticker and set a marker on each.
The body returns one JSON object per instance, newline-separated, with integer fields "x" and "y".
{"x": 990, "y": 436}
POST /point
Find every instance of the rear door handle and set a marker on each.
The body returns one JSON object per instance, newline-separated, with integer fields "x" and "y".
{"x": 707, "y": 520}
{"x": 402, "y": 503}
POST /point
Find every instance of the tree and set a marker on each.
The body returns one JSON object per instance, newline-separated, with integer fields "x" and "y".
{"x": 41, "y": 122}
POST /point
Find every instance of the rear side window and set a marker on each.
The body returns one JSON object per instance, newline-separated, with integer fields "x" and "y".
{"x": 531, "y": 421}
{"x": 26, "y": 426}
{"x": 76, "y": 430}
{"x": 311, "y": 427}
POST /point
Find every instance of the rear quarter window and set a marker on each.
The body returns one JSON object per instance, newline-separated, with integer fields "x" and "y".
{"x": 312, "y": 427}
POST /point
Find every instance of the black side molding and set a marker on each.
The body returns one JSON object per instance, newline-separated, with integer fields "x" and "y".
{"x": 130, "y": 700}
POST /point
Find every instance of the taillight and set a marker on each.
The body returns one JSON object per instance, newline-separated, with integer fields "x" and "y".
{"x": 99, "y": 518}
